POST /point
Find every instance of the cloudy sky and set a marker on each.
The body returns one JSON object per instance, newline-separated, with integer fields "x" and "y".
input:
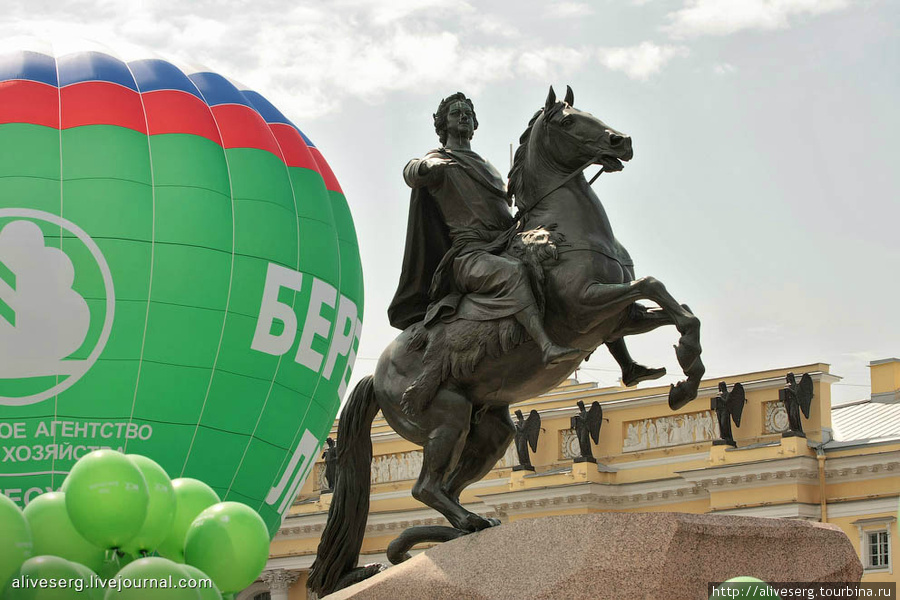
{"x": 764, "y": 188}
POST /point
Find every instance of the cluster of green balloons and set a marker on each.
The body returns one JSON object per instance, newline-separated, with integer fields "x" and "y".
{"x": 120, "y": 516}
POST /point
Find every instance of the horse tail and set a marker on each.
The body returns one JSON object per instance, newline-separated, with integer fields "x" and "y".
{"x": 342, "y": 537}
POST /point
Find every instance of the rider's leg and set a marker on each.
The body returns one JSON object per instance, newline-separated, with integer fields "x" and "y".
{"x": 632, "y": 372}
{"x": 486, "y": 443}
{"x": 440, "y": 455}
{"x": 530, "y": 318}
{"x": 506, "y": 282}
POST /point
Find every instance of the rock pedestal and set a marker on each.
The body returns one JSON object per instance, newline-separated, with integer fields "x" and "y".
{"x": 611, "y": 556}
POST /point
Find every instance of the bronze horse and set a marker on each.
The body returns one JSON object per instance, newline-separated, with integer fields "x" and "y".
{"x": 589, "y": 298}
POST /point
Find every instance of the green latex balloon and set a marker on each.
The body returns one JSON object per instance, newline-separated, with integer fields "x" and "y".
{"x": 90, "y": 592}
{"x": 16, "y": 545}
{"x": 160, "y": 508}
{"x": 107, "y": 498}
{"x": 192, "y": 497}
{"x": 136, "y": 575}
{"x": 229, "y": 542}
{"x": 52, "y": 568}
{"x": 206, "y": 593}
{"x": 745, "y": 587}
{"x": 54, "y": 534}
{"x": 114, "y": 563}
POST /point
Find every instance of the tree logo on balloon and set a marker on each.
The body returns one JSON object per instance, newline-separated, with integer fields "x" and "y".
{"x": 50, "y": 335}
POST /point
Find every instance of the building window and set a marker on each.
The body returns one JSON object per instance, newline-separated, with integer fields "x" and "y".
{"x": 878, "y": 550}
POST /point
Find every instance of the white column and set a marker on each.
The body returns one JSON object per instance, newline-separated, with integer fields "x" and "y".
{"x": 279, "y": 582}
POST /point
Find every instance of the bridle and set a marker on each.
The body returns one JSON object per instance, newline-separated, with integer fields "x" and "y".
{"x": 521, "y": 213}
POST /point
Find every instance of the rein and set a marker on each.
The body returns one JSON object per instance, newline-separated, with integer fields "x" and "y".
{"x": 568, "y": 178}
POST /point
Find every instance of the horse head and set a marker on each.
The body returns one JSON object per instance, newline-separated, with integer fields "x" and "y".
{"x": 559, "y": 143}
{"x": 573, "y": 138}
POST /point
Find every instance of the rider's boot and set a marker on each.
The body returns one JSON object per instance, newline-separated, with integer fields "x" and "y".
{"x": 551, "y": 353}
{"x": 632, "y": 372}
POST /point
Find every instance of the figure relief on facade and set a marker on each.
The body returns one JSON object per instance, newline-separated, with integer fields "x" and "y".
{"x": 660, "y": 432}
{"x": 509, "y": 459}
{"x": 402, "y": 466}
{"x": 320, "y": 482}
{"x": 776, "y": 417}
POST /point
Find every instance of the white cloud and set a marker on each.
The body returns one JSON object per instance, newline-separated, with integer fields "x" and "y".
{"x": 545, "y": 63}
{"x": 724, "y": 17}
{"x": 382, "y": 12}
{"x": 641, "y": 61}
{"x": 308, "y": 57}
{"x": 567, "y": 10}
{"x": 724, "y": 68}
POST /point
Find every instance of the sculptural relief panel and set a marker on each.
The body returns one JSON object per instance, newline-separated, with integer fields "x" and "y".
{"x": 660, "y": 432}
{"x": 568, "y": 444}
{"x": 320, "y": 483}
{"x": 402, "y": 466}
{"x": 509, "y": 459}
{"x": 776, "y": 420}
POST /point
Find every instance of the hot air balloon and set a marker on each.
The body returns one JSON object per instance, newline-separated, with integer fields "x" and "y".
{"x": 179, "y": 278}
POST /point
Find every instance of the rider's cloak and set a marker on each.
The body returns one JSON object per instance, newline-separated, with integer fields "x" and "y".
{"x": 428, "y": 239}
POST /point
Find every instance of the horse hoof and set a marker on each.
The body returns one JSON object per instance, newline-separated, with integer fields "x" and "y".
{"x": 477, "y": 523}
{"x": 681, "y": 393}
{"x": 687, "y": 351}
{"x": 358, "y": 574}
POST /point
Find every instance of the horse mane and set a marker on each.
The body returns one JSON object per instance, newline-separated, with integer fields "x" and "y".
{"x": 516, "y": 189}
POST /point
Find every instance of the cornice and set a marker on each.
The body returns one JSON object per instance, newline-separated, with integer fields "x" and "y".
{"x": 862, "y": 467}
{"x": 593, "y": 495}
{"x": 792, "y": 510}
{"x": 298, "y": 527}
{"x": 776, "y": 471}
{"x": 666, "y": 460}
{"x": 866, "y": 507}
{"x": 661, "y": 397}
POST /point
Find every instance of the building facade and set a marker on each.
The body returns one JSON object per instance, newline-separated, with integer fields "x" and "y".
{"x": 846, "y": 471}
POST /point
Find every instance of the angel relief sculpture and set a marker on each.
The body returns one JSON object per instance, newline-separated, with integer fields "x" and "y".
{"x": 797, "y": 398}
{"x": 728, "y": 406}
{"x": 587, "y": 427}
{"x": 527, "y": 433}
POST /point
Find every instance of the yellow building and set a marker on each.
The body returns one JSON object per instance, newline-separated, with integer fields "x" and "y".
{"x": 845, "y": 472}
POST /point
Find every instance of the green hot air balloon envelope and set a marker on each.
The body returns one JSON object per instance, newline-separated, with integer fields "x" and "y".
{"x": 179, "y": 278}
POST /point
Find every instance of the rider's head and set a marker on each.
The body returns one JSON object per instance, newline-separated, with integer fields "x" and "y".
{"x": 440, "y": 117}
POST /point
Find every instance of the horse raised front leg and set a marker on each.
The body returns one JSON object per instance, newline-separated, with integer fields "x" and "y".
{"x": 644, "y": 320}
{"x": 440, "y": 456}
{"x": 606, "y": 298}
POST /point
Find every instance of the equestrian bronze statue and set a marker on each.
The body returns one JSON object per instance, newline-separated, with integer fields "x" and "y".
{"x": 494, "y": 309}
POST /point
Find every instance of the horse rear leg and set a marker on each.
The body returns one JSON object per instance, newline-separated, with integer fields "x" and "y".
{"x": 451, "y": 412}
{"x": 489, "y": 436}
